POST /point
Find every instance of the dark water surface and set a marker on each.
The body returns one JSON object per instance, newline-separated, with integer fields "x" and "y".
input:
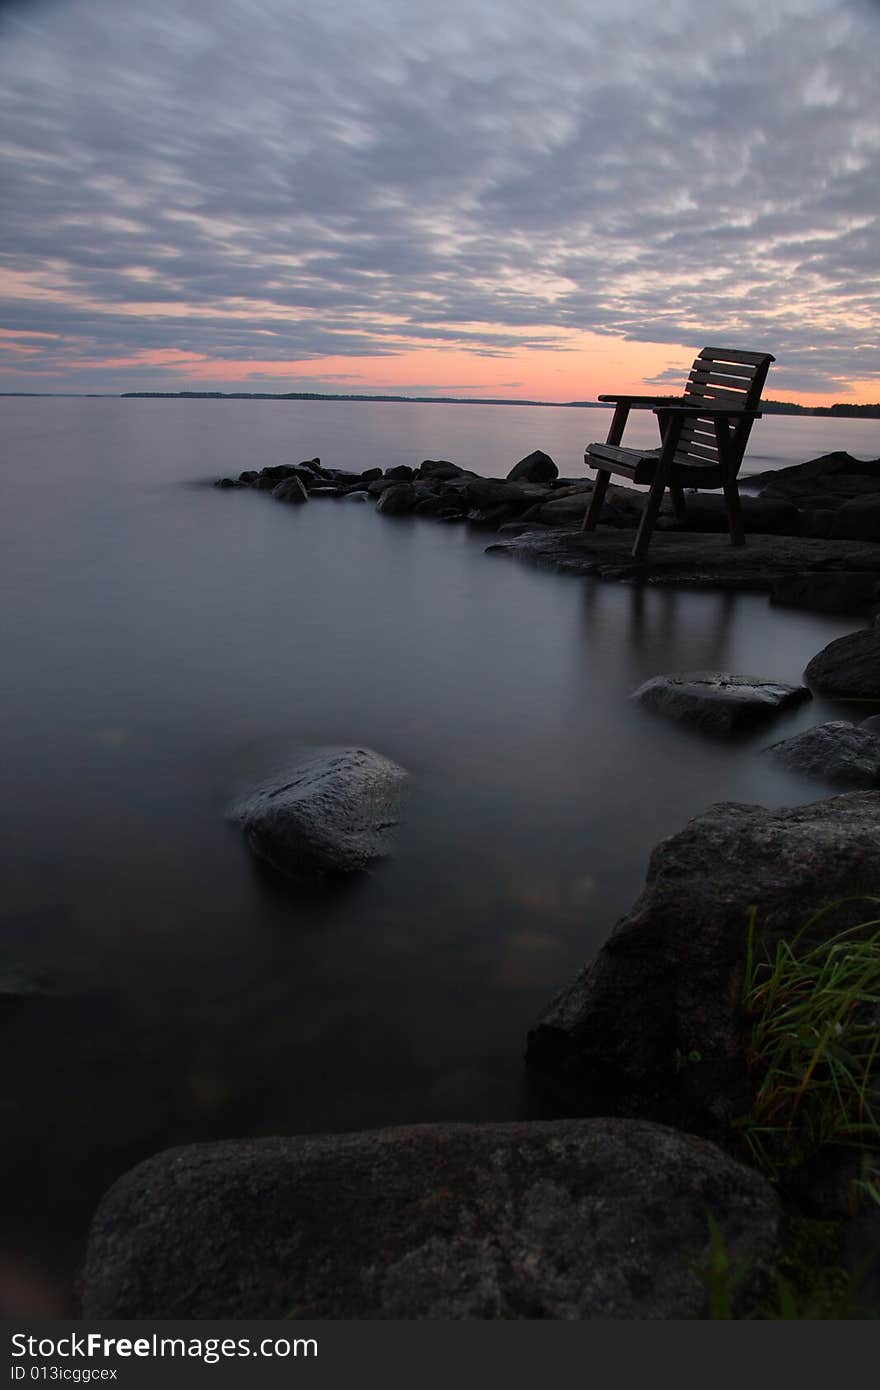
{"x": 167, "y": 644}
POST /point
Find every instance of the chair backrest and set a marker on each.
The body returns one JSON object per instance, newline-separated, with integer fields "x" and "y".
{"x": 720, "y": 376}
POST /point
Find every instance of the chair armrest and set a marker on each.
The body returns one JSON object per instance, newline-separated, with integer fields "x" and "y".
{"x": 640, "y": 400}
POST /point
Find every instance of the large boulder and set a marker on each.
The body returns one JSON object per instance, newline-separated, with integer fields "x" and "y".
{"x": 716, "y": 700}
{"x": 564, "y": 1220}
{"x": 536, "y": 467}
{"x": 331, "y": 814}
{"x": 845, "y": 754}
{"x": 290, "y": 490}
{"x": 440, "y": 469}
{"x": 819, "y": 474}
{"x": 849, "y": 667}
{"x": 397, "y": 499}
{"x": 653, "y": 1027}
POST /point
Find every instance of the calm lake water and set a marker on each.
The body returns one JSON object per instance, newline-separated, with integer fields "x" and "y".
{"x": 167, "y": 644}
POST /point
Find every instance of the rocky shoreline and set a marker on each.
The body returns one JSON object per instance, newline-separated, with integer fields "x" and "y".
{"x": 813, "y": 530}
{"x": 644, "y": 1060}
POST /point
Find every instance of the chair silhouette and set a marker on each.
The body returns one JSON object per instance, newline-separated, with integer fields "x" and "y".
{"x": 704, "y": 434}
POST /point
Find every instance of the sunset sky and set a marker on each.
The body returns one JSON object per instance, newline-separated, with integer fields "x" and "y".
{"x": 519, "y": 198}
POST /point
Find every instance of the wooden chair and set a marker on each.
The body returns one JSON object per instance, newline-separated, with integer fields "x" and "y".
{"x": 703, "y": 435}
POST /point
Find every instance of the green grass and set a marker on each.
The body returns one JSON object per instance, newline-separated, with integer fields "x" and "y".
{"x": 813, "y": 1045}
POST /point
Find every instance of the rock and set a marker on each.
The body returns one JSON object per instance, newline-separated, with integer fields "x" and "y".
{"x": 380, "y": 485}
{"x": 228, "y": 482}
{"x": 440, "y": 469}
{"x": 397, "y": 499}
{"x": 849, "y": 667}
{"x": 491, "y": 518}
{"x": 827, "y": 593}
{"x": 402, "y": 474}
{"x": 564, "y": 511}
{"x": 249, "y": 476}
{"x": 290, "y": 490}
{"x": 15, "y": 985}
{"x": 357, "y": 496}
{"x": 872, "y": 724}
{"x": 564, "y": 1220}
{"x": 440, "y": 506}
{"x": 492, "y": 492}
{"x": 693, "y": 559}
{"x": 268, "y": 478}
{"x": 823, "y": 468}
{"x": 816, "y": 522}
{"x": 717, "y": 700}
{"x": 561, "y": 489}
{"x": 652, "y": 1027}
{"x": 313, "y": 466}
{"x": 858, "y": 520}
{"x": 707, "y": 511}
{"x": 370, "y": 475}
{"x": 536, "y": 467}
{"x": 836, "y": 751}
{"x": 328, "y": 815}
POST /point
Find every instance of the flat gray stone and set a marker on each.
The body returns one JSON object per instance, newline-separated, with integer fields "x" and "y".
{"x": 717, "y": 700}
{"x": 565, "y": 1220}
{"x": 331, "y": 814}
{"x": 845, "y": 754}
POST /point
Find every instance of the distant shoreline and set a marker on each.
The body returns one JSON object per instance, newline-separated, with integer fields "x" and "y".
{"x": 839, "y": 410}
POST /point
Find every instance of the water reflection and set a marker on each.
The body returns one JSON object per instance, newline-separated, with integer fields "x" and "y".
{"x": 651, "y": 623}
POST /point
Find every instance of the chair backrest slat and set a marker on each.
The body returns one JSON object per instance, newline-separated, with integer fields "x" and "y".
{"x": 720, "y": 376}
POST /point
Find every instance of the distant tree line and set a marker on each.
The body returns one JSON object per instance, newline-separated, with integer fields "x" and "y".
{"x": 868, "y": 412}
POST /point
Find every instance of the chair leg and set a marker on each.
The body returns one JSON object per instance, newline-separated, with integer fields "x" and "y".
{"x": 734, "y": 514}
{"x": 600, "y": 487}
{"x": 679, "y": 506}
{"x": 646, "y": 525}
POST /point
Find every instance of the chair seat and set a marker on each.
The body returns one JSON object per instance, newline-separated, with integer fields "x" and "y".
{"x": 640, "y": 465}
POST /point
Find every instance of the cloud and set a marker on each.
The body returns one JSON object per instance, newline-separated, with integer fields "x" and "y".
{"x": 359, "y": 178}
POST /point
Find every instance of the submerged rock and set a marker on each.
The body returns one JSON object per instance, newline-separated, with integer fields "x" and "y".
{"x": 653, "y": 1026}
{"x": 848, "y": 667}
{"x": 560, "y": 1220}
{"x": 331, "y": 814}
{"x": 717, "y": 700}
{"x": 839, "y": 752}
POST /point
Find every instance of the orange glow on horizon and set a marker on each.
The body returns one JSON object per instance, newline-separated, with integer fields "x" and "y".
{"x": 583, "y": 366}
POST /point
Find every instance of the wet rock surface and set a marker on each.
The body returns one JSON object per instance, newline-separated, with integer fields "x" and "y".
{"x": 700, "y": 561}
{"x": 849, "y": 667}
{"x": 812, "y": 533}
{"x": 718, "y": 701}
{"x": 652, "y": 1026}
{"x": 331, "y": 814}
{"x": 838, "y": 752}
{"x": 558, "y": 1219}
